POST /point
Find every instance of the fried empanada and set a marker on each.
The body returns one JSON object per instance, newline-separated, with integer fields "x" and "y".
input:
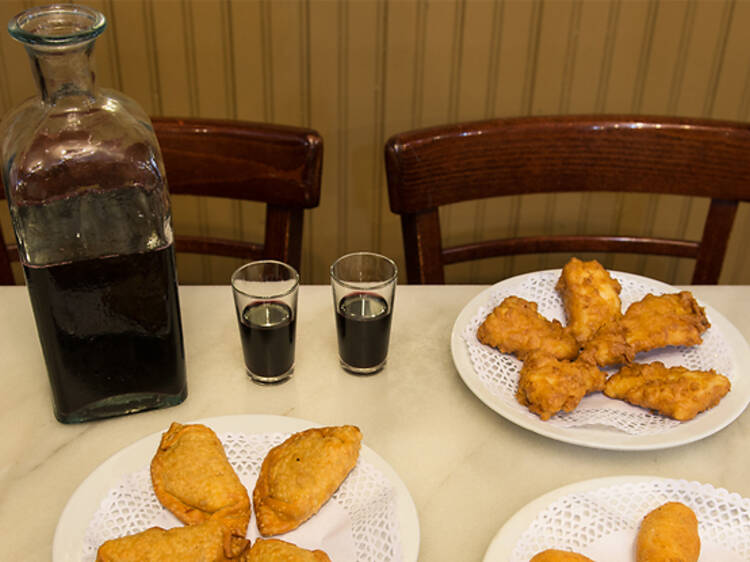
{"x": 591, "y": 297}
{"x": 207, "y": 542}
{"x": 548, "y": 385}
{"x": 274, "y": 550}
{"x": 669, "y": 533}
{"x": 675, "y": 391}
{"x": 300, "y": 475}
{"x": 554, "y": 555}
{"x": 193, "y": 479}
{"x": 516, "y": 327}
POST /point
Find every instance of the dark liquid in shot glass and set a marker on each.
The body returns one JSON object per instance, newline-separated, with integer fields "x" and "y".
{"x": 267, "y": 331}
{"x": 363, "y": 323}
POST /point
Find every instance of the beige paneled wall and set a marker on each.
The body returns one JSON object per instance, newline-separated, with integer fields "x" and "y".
{"x": 359, "y": 71}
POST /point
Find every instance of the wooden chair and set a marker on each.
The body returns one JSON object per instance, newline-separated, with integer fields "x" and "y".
{"x": 429, "y": 168}
{"x": 272, "y": 164}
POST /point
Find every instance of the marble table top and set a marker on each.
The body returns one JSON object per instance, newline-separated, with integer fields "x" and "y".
{"x": 466, "y": 467}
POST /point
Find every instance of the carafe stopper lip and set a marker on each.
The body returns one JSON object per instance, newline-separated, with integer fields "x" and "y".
{"x": 57, "y": 24}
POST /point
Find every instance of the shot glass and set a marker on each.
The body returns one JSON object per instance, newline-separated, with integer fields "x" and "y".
{"x": 265, "y": 299}
{"x": 364, "y": 286}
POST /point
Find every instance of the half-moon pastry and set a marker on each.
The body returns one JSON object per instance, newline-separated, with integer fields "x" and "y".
{"x": 669, "y": 532}
{"x": 298, "y": 476}
{"x": 274, "y": 550}
{"x": 193, "y": 479}
{"x": 206, "y": 542}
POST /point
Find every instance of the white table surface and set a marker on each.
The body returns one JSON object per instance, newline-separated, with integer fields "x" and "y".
{"x": 467, "y": 468}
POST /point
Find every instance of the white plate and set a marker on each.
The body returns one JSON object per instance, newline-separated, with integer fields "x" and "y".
{"x": 603, "y": 437}
{"x": 75, "y": 518}
{"x": 722, "y": 516}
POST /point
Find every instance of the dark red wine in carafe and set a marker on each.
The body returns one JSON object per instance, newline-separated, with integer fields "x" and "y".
{"x": 111, "y": 334}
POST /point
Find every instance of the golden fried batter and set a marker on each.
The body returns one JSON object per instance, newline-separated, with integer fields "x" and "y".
{"x": 609, "y": 346}
{"x": 274, "y": 550}
{"x": 516, "y": 327}
{"x": 205, "y": 542}
{"x": 193, "y": 479}
{"x": 659, "y": 321}
{"x": 668, "y": 534}
{"x": 590, "y": 296}
{"x": 675, "y": 392}
{"x": 651, "y": 323}
{"x": 554, "y": 555}
{"x": 300, "y": 475}
{"x": 548, "y": 385}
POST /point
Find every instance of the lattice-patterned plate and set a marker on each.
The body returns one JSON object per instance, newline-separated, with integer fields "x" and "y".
{"x": 600, "y": 518}
{"x": 370, "y": 518}
{"x": 600, "y": 422}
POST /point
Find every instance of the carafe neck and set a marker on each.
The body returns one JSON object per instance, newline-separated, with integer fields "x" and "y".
{"x": 60, "y": 40}
{"x": 63, "y": 71}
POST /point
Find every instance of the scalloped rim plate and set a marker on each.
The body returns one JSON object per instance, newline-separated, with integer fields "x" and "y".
{"x": 707, "y": 423}
{"x": 504, "y": 542}
{"x": 71, "y": 527}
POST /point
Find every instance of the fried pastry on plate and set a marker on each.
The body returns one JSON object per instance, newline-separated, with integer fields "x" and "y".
{"x": 653, "y": 322}
{"x": 591, "y": 297}
{"x": 554, "y": 555}
{"x": 669, "y": 533}
{"x": 193, "y": 479}
{"x": 206, "y": 542}
{"x": 298, "y": 476}
{"x": 516, "y": 327}
{"x": 675, "y": 392}
{"x": 274, "y": 550}
{"x": 548, "y": 385}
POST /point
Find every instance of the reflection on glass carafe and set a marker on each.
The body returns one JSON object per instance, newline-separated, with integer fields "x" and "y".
{"x": 88, "y": 198}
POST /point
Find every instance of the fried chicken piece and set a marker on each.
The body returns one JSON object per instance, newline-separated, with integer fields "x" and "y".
{"x": 590, "y": 296}
{"x": 274, "y": 550}
{"x": 298, "y": 476}
{"x": 207, "y": 542}
{"x": 659, "y": 321}
{"x": 609, "y": 346}
{"x": 669, "y": 533}
{"x": 193, "y": 479}
{"x": 675, "y": 392}
{"x": 554, "y": 555}
{"x": 651, "y": 323}
{"x": 548, "y": 385}
{"x": 516, "y": 327}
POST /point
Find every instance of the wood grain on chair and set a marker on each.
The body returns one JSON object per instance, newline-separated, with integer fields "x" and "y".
{"x": 429, "y": 168}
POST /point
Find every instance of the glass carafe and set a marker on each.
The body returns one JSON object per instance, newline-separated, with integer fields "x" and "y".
{"x": 87, "y": 192}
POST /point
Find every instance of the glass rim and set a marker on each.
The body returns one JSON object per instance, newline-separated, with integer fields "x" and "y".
{"x": 19, "y": 24}
{"x": 288, "y": 292}
{"x": 356, "y": 285}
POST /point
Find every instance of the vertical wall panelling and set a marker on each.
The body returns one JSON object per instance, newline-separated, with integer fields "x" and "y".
{"x": 365, "y": 33}
{"x": 404, "y": 22}
{"x": 380, "y": 61}
{"x": 325, "y": 117}
{"x": 342, "y": 28}
{"x": 360, "y": 71}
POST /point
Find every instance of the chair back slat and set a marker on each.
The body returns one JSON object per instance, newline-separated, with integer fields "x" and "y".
{"x": 430, "y": 168}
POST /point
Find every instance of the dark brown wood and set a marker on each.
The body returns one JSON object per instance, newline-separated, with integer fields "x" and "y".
{"x": 430, "y": 168}
{"x": 6, "y": 273}
{"x": 273, "y": 164}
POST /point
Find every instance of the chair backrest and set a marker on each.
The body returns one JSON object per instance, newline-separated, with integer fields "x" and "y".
{"x": 272, "y": 164}
{"x": 429, "y": 168}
